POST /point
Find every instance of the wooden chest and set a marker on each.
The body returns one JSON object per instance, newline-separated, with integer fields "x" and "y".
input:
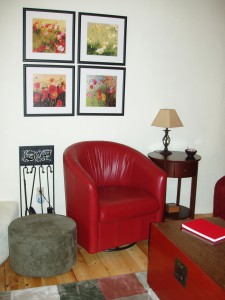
{"x": 184, "y": 267}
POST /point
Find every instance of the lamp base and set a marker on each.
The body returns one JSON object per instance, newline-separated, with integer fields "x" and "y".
{"x": 165, "y": 152}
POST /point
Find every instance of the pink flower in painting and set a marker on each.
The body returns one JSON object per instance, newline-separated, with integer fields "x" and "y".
{"x": 63, "y": 86}
{"x": 54, "y": 95}
{"x": 63, "y": 35}
{"x": 44, "y": 94}
{"x": 37, "y": 98}
{"x": 52, "y": 88}
{"x": 59, "y": 103}
{"x": 111, "y": 90}
{"x": 59, "y": 37}
{"x": 37, "y": 85}
{"x": 42, "y": 48}
{"x": 61, "y": 89}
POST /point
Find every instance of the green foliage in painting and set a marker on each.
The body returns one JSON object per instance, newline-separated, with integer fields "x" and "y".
{"x": 102, "y": 39}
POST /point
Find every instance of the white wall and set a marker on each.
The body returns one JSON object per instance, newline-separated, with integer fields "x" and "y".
{"x": 175, "y": 59}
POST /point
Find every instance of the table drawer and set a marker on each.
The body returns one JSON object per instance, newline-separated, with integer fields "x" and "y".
{"x": 185, "y": 170}
{"x": 160, "y": 163}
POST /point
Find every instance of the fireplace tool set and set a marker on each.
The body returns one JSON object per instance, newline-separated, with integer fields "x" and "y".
{"x": 36, "y": 176}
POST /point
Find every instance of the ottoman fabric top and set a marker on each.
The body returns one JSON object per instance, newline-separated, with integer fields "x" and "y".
{"x": 42, "y": 245}
{"x": 43, "y": 225}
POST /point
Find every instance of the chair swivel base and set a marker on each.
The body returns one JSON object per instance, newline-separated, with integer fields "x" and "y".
{"x": 120, "y": 248}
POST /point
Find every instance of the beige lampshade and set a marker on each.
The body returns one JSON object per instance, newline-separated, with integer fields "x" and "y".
{"x": 167, "y": 118}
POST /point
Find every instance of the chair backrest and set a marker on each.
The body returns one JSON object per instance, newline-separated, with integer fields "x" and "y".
{"x": 108, "y": 163}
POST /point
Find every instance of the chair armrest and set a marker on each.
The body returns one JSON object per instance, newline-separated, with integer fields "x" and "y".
{"x": 81, "y": 197}
{"x": 149, "y": 177}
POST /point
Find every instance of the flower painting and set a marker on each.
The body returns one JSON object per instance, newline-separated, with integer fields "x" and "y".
{"x": 49, "y": 90}
{"x": 49, "y": 36}
{"x": 101, "y": 91}
{"x": 102, "y": 39}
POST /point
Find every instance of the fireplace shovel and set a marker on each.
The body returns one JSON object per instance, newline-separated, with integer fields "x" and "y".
{"x": 31, "y": 209}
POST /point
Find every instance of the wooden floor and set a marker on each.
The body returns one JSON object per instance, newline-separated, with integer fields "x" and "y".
{"x": 88, "y": 266}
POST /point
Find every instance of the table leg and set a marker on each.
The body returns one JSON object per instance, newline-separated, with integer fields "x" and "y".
{"x": 193, "y": 196}
{"x": 178, "y": 191}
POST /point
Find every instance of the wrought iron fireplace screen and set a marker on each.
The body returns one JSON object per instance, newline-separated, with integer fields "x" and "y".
{"x": 36, "y": 179}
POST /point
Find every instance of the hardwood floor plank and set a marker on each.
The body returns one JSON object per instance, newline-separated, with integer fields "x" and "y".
{"x": 2, "y": 277}
{"x": 81, "y": 269}
{"x": 31, "y": 282}
{"x": 49, "y": 281}
{"x": 115, "y": 263}
{"x": 138, "y": 257}
{"x": 13, "y": 280}
{"x": 68, "y": 277}
{"x": 88, "y": 266}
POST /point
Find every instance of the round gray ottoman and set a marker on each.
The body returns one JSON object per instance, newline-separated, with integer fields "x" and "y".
{"x": 42, "y": 245}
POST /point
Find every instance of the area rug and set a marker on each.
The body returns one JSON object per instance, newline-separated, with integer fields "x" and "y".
{"x": 132, "y": 286}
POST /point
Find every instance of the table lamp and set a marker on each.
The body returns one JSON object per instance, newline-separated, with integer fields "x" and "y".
{"x": 167, "y": 118}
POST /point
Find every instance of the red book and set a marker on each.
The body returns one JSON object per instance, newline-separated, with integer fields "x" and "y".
{"x": 205, "y": 229}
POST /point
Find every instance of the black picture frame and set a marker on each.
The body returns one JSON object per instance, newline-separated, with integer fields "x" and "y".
{"x": 101, "y": 90}
{"x": 48, "y": 90}
{"x": 48, "y": 35}
{"x": 102, "y": 39}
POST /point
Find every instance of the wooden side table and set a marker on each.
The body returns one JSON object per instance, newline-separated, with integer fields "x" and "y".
{"x": 177, "y": 165}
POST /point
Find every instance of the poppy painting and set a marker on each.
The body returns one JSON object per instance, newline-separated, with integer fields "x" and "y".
{"x": 48, "y": 90}
{"x": 101, "y": 90}
{"x": 48, "y": 35}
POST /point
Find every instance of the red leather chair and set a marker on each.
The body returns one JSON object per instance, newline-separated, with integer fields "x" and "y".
{"x": 219, "y": 198}
{"x": 113, "y": 193}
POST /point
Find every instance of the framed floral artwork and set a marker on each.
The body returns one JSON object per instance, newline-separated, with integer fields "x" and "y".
{"x": 102, "y": 39}
{"x": 48, "y": 90}
{"x": 101, "y": 90}
{"x": 48, "y": 35}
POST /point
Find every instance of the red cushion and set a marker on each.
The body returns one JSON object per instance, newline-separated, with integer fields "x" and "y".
{"x": 120, "y": 203}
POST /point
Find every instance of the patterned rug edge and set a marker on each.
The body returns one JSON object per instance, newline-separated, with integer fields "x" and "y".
{"x": 131, "y": 286}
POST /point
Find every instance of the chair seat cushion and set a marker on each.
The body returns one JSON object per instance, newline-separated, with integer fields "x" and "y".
{"x": 120, "y": 203}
